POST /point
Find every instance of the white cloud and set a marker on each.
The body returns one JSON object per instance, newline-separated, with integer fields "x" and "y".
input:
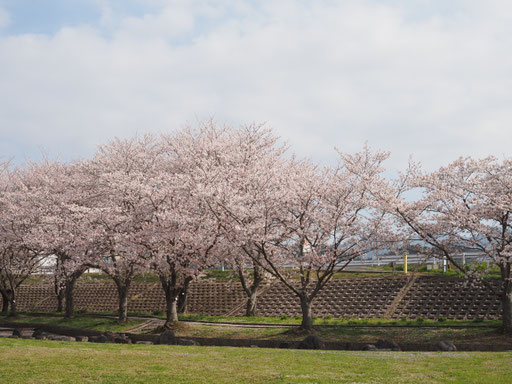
{"x": 170, "y": 23}
{"x": 5, "y": 18}
{"x": 323, "y": 74}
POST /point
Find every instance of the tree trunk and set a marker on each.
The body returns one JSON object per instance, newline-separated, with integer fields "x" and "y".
{"x": 171, "y": 301}
{"x": 252, "y": 290}
{"x": 60, "y": 299}
{"x": 70, "y": 305}
{"x": 13, "y": 313}
{"x": 57, "y": 287}
{"x": 183, "y": 302}
{"x": 12, "y": 302}
{"x": 5, "y": 302}
{"x": 122, "y": 290}
{"x": 506, "y": 302}
{"x": 172, "y": 293}
{"x": 59, "y": 290}
{"x": 172, "y": 310}
{"x": 307, "y": 317}
{"x": 252, "y": 301}
{"x": 183, "y": 297}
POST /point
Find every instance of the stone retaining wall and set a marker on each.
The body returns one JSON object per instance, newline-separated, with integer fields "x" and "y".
{"x": 428, "y": 297}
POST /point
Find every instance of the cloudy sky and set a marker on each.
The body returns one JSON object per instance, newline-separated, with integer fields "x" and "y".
{"x": 423, "y": 77}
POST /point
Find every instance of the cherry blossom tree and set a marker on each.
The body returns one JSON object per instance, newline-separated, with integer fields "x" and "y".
{"x": 62, "y": 198}
{"x": 3, "y": 191}
{"x": 19, "y": 229}
{"x": 222, "y": 163}
{"x": 182, "y": 243}
{"x": 465, "y": 205}
{"x": 289, "y": 213}
{"x": 121, "y": 177}
{"x": 250, "y": 274}
{"x": 182, "y": 237}
{"x": 331, "y": 218}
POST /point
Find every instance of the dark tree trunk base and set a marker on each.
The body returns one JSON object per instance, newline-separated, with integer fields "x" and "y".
{"x": 307, "y": 317}
{"x": 507, "y": 313}
{"x": 252, "y": 290}
{"x": 60, "y": 301}
{"x": 13, "y": 312}
{"x": 122, "y": 291}
{"x": 123, "y": 308}
{"x": 183, "y": 296}
{"x": 250, "y": 309}
{"x": 172, "y": 309}
{"x": 70, "y": 305}
{"x": 5, "y": 303}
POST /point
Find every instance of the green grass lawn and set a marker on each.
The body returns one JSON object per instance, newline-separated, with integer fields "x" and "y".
{"x": 361, "y": 331}
{"x": 285, "y": 320}
{"x": 84, "y": 322}
{"x": 30, "y": 361}
{"x": 413, "y": 335}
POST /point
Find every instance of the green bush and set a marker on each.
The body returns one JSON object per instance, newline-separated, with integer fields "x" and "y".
{"x": 441, "y": 319}
{"x": 220, "y": 275}
{"x": 420, "y": 320}
{"x": 80, "y": 311}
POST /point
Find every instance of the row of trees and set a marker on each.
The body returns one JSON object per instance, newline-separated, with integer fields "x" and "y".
{"x": 179, "y": 203}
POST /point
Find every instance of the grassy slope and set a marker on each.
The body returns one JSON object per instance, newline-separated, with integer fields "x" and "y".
{"x": 28, "y": 361}
{"x": 482, "y": 334}
{"x": 93, "y": 323}
{"x": 359, "y": 335}
{"x": 285, "y": 320}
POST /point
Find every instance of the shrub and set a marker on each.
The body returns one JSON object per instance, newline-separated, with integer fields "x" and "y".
{"x": 420, "y": 320}
{"x": 441, "y": 319}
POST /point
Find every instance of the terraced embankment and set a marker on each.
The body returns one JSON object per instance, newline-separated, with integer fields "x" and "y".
{"x": 368, "y": 297}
